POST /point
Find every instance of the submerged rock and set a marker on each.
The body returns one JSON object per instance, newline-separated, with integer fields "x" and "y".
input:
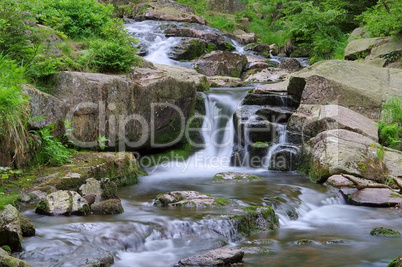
{"x": 304, "y": 242}
{"x": 381, "y": 231}
{"x": 63, "y": 202}
{"x": 235, "y": 176}
{"x": 10, "y": 228}
{"x": 188, "y": 199}
{"x": 214, "y": 258}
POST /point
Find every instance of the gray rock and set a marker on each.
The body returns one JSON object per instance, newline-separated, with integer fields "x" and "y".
{"x": 214, "y": 258}
{"x": 45, "y": 109}
{"x": 10, "y": 228}
{"x": 221, "y": 63}
{"x": 309, "y": 120}
{"x": 107, "y": 207}
{"x": 189, "y": 49}
{"x": 357, "y": 34}
{"x": 210, "y": 37}
{"x": 90, "y": 96}
{"x": 340, "y": 151}
{"x": 9, "y": 261}
{"x": 165, "y": 10}
{"x": 283, "y": 159}
{"x": 266, "y": 75}
{"x": 235, "y": 176}
{"x": 393, "y": 160}
{"x": 357, "y": 86}
{"x": 271, "y": 88}
{"x": 246, "y": 38}
{"x": 291, "y": 65}
{"x": 63, "y": 202}
{"x": 91, "y": 187}
{"x": 188, "y": 199}
{"x": 374, "y": 197}
{"x": 360, "y": 48}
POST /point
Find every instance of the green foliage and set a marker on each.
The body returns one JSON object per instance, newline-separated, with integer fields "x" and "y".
{"x": 384, "y": 19}
{"x": 13, "y": 112}
{"x": 222, "y": 23}
{"x": 50, "y": 151}
{"x": 390, "y": 125}
{"x": 6, "y": 199}
{"x": 102, "y": 140}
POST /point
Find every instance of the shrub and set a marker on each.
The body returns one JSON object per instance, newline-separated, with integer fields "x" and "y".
{"x": 383, "y": 19}
{"x": 50, "y": 151}
{"x": 390, "y": 125}
{"x": 13, "y": 106}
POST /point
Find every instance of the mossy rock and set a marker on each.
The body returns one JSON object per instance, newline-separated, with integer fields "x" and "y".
{"x": 109, "y": 189}
{"x": 256, "y": 218}
{"x": 235, "y": 176}
{"x": 381, "y": 231}
{"x": 27, "y": 227}
{"x": 397, "y": 262}
{"x": 189, "y": 199}
{"x": 9, "y": 261}
{"x": 107, "y": 207}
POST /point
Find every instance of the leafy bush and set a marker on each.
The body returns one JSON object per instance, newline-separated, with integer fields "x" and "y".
{"x": 383, "y": 19}
{"x": 13, "y": 111}
{"x": 390, "y": 125}
{"x": 50, "y": 151}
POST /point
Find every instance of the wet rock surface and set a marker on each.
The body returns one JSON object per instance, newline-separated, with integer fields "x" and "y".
{"x": 188, "y": 199}
{"x": 214, "y": 258}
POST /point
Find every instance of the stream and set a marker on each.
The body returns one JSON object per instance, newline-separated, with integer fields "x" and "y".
{"x": 147, "y": 235}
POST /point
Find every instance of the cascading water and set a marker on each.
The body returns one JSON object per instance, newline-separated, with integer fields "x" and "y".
{"x": 146, "y": 235}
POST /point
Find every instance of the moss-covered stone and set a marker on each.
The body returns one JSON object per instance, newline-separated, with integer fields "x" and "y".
{"x": 397, "y": 262}
{"x": 107, "y": 207}
{"x": 256, "y": 218}
{"x": 9, "y": 261}
{"x": 109, "y": 189}
{"x": 27, "y": 227}
{"x": 380, "y": 231}
{"x": 235, "y": 176}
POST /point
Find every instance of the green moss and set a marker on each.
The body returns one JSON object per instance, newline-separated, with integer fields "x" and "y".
{"x": 397, "y": 262}
{"x": 229, "y": 46}
{"x": 6, "y": 248}
{"x": 384, "y": 232}
{"x": 235, "y": 73}
{"x": 109, "y": 190}
{"x": 221, "y": 201}
{"x": 6, "y": 199}
{"x": 247, "y": 222}
{"x": 204, "y": 85}
{"x": 214, "y": 84}
{"x": 396, "y": 195}
{"x": 42, "y": 207}
{"x": 260, "y": 145}
{"x": 211, "y": 47}
{"x": 362, "y": 166}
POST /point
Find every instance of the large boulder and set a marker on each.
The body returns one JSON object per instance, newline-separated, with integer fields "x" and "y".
{"x": 214, "y": 258}
{"x": 373, "y": 197}
{"x": 10, "y": 228}
{"x": 164, "y": 10}
{"x": 255, "y": 218}
{"x": 227, "y": 6}
{"x": 152, "y": 103}
{"x": 188, "y": 199}
{"x": 360, "y": 87}
{"x": 45, "y": 109}
{"x": 221, "y": 63}
{"x": 381, "y": 52}
{"x": 63, "y": 202}
{"x": 340, "y": 151}
{"x": 213, "y": 39}
{"x": 309, "y": 120}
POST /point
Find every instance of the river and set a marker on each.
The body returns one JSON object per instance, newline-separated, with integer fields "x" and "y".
{"x": 147, "y": 235}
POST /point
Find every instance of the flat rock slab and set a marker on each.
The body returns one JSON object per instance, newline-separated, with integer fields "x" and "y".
{"x": 375, "y": 197}
{"x": 214, "y": 258}
{"x": 235, "y": 176}
{"x": 341, "y": 181}
{"x": 188, "y": 199}
{"x": 271, "y": 87}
